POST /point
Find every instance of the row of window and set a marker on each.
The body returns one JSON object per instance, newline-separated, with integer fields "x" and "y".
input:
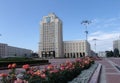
{"x": 48, "y": 49}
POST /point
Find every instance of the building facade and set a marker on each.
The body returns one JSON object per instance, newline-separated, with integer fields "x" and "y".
{"x": 102, "y": 54}
{"x": 116, "y": 44}
{"x": 74, "y": 49}
{"x": 51, "y": 37}
{"x": 3, "y": 49}
{"x": 7, "y": 51}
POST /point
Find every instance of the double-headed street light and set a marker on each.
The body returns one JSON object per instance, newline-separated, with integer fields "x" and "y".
{"x": 86, "y": 23}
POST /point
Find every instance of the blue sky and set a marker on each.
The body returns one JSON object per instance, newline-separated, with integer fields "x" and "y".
{"x": 19, "y": 21}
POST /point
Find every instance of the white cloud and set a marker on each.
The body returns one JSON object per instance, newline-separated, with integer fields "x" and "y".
{"x": 103, "y": 36}
{"x": 105, "y": 31}
{"x": 104, "y": 40}
{"x": 106, "y": 23}
{"x": 96, "y": 33}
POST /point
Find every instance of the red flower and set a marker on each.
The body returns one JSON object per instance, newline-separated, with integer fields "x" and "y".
{"x": 62, "y": 68}
{"x": 13, "y": 65}
{"x": 50, "y": 67}
{"x": 26, "y": 66}
{"x": 30, "y": 72}
{"x": 62, "y": 65}
{"x": 54, "y": 71}
{"x": 3, "y": 75}
{"x": 78, "y": 60}
{"x": 67, "y": 62}
{"x": 43, "y": 75}
{"x": 86, "y": 62}
{"x": 19, "y": 81}
{"x": 44, "y": 70}
{"x": 9, "y": 66}
{"x": 38, "y": 72}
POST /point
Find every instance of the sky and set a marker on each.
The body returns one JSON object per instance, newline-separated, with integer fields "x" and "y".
{"x": 19, "y": 21}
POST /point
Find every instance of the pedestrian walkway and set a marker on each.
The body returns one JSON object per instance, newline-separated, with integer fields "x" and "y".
{"x": 109, "y": 74}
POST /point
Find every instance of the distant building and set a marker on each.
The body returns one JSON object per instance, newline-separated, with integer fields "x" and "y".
{"x": 116, "y": 44}
{"x": 76, "y": 48}
{"x": 51, "y": 37}
{"x": 6, "y": 50}
{"x": 102, "y": 54}
{"x": 93, "y": 53}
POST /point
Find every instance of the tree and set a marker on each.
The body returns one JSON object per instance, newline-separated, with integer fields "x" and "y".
{"x": 34, "y": 55}
{"x": 116, "y": 52}
{"x": 109, "y": 53}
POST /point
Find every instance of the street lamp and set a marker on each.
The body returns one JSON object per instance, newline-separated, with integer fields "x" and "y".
{"x": 86, "y": 23}
{"x": 95, "y": 43}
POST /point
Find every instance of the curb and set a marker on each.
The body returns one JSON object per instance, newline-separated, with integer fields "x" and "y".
{"x": 96, "y": 75}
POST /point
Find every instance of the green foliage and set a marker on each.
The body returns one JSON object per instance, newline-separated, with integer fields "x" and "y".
{"x": 109, "y": 53}
{"x": 116, "y": 52}
{"x": 15, "y": 59}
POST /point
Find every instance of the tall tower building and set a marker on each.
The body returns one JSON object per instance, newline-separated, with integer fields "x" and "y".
{"x": 51, "y": 38}
{"x": 116, "y": 44}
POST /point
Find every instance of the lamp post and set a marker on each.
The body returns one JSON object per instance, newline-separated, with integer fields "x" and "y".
{"x": 95, "y": 43}
{"x": 119, "y": 36}
{"x": 86, "y": 23}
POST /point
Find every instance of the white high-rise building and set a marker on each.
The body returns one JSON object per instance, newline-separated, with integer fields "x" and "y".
{"x": 116, "y": 44}
{"x": 51, "y": 37}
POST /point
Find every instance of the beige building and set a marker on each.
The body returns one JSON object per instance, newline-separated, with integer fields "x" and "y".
{"x": 51, "y": 37}
{"x": 3, "y": 50}
{"x": 116, "y": 44}
{"x": 6, "y": 50}
{"x": 76, "y": 48}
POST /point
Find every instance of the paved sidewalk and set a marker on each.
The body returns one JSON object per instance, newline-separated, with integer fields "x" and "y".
{"x": 110, "y": 74}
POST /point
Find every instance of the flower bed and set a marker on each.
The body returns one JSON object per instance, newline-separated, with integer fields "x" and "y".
{"x": 20, "y": 63}
{"x": 51, "y": 74}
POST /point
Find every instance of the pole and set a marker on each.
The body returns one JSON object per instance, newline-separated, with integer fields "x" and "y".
{"x": 86, "y": 33}
{"x": 95, "y": 44}
{"x": 86, "y": 23}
